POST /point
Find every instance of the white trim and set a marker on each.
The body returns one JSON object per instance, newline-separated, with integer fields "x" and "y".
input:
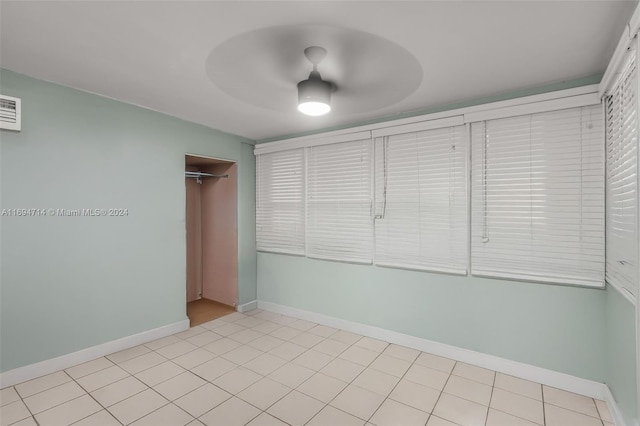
{"x": 525, "y": 371}
{"x": 304, "y": 141}
{"x": 616, "y": 415}
{"x": 536, "y": 107}
{"x": 457, "y": 120}
{"x": 28, "y": 372}
{"x": 315, "y": 140}
{"x": 249, "y": 306}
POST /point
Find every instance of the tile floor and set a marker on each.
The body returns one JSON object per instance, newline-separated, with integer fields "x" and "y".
{"x": 267, "y": 369}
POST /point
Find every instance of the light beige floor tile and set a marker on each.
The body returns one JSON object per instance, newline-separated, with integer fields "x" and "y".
{"x": 415, "y": 395}
{"x": 517, "y": 405}
{"x": 460, "y": 411}
{"x": 342, "y": 369}
{"x": 169, "y": 415}
{"x": 69, "y": 412}
{"x": 245, "y": 336}
{"x": 265, "y": 419}
{"x": 29, "y": 421}
{"x": 13, "y": 412}
{"x": 519, "y": 386}
{"x": 234, "y": 316}
{"x": 264, "y": 393}
{"x": 118, "y": 391}
{"x": 249, "y": 322}
{"x": 360, "y": 402}
{"x": 203, "y": 399}
{"x": 570, "y": 401}
{"x": 372, "y": 344}
{"x": 436, "y": 362}
{"x": 8, "y": 395}
{"x": 101, "y": 418}
{"x": 284, "y": 319}
{"x": 359, "y": 355}
{"x": 228, "y": 329}
{"x": 55, "y": 396}
{"x": 472, "y": 372}
{"x": 307, "y": 340}
{"x": 296, "y": 408}
{"x": 345, "y": 337}
{"x": 161, "y": 343}
{"x": 102, "y": 378}
{"x": 331, "y": 347}
{"x": 160, "y": 373}
{"x": 427, "y": 376}
{"x": 196, "y": 423}
{"x": 203, "y": 339}
{"x": 437, "y": 421}
{"x": 222, "y": 346}
{"x": 376, "y": 381}
{"x": 392, "y": 413}
{"x": 142, "y": 362}
{"x": 603, "y": 410}
{"x": 242, "y": 355}
{"x": 89, "y": 367}
{"x": 468, "y": 389}
{"x": 334, "y": 417}
{"x": 128, "y": 354}
{"x": 313, "y": 359}
{"x": 288, "y": 351}
{"x": 302, "y": 325}
{"x": 265, "y": 343}
{"x": 401, "y": 352}
{"x": 194, "y": 358}
{"x": 237, "y": 380}
{"x": 138, "y": 406}
{"x": 291, "y": 375}
{"x": 265, "y": 364}
{"x": 499, "y": 418}
{"x": 556, "y": 416}
{"x": 322, "y": 331}
{"x": 232, "y": 412}
{"x": 179, "y": 385}
{"x": 390, "y": 365}
{"x": 176, "y": 349}
{"x": 193, "y": 331}
{"x": 266, "y": 327}
{"x": 213, "y": 369}
{"x": 43, "y": 383}
{"x": 285, "y": 333}
{"x": 322, "y": 388}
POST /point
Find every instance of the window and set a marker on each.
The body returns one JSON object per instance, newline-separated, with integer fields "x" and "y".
{"x": 537, "y": 197}
{"x": 339, "y": 221}
{"x": 280, "y": 201}
{"x": 622, "y": 180}
{"x": 421, "y": 200}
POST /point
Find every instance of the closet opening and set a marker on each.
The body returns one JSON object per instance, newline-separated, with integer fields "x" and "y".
{"x": 212, "y": 238}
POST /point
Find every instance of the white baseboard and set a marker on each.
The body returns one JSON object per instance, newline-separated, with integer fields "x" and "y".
{"x": 616, "y": 415}
{"x": 249, "y": 306}
{"x": 28, "y": 372}
{"x": 525, "y": 371}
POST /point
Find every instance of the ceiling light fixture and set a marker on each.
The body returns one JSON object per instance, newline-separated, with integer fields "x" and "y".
{"x": 314, "y": 94}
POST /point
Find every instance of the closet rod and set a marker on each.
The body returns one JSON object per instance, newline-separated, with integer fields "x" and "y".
{"x": 203, "y": 174}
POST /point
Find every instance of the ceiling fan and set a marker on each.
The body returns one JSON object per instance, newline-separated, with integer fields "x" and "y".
{"x": 314, "y": 93}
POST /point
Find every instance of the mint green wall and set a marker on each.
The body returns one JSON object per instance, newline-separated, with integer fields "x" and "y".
{"x": 556, "y": 327}
{"x": 68, "y": 283}
{"x": 621, "y": 354}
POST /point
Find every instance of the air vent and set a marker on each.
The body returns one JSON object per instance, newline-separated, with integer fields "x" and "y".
{"x": 9, "y": 113}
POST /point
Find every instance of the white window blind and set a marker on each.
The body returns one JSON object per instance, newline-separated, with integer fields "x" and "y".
{"x": 280, "y": 202}
{"x": 421, "y": 200}
{"x": 622, "y": 180}
{"x": 538, "y": 197}
{"x": 339, "y": 220}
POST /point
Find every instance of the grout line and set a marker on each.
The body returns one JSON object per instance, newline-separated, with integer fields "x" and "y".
{"x": 493, "y": 386}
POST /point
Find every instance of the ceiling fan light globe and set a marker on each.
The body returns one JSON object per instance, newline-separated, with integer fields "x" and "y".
{"x": 314, "y": 109}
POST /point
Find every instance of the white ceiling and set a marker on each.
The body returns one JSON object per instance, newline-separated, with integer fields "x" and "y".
{"x": 155, "y": 54}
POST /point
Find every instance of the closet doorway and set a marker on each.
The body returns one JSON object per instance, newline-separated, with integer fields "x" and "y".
{"x": 212, "y": 238}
